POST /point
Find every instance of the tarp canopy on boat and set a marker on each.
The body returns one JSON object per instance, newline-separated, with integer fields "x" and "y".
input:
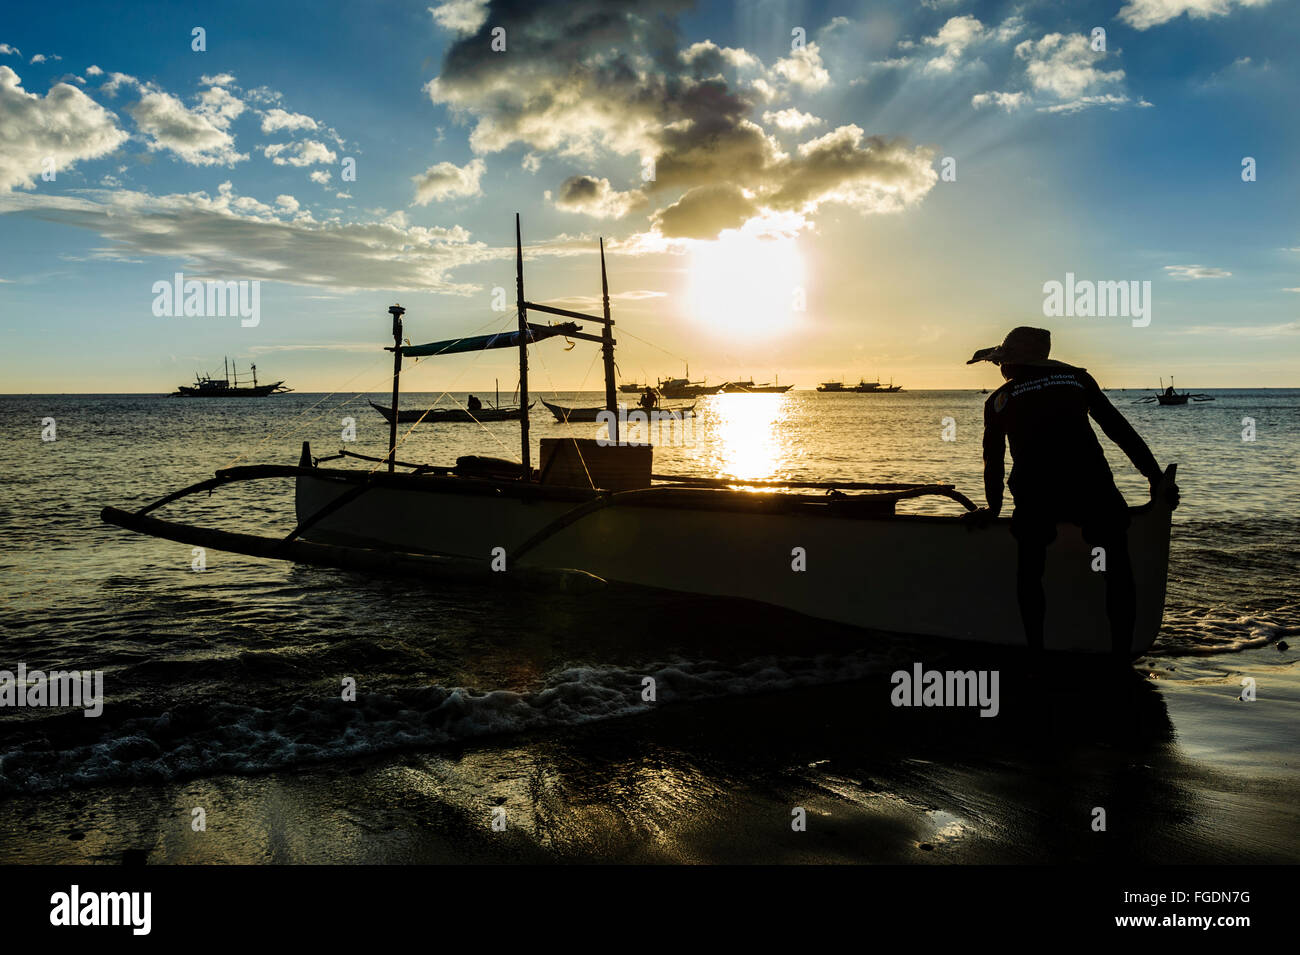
{"x": 509, "y": 339}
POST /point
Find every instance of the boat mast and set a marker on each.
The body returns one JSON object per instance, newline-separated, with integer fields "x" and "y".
{"x": 523, "y": 352}
{"x": 607, "y": 347}
{"x": 397, "y": 312}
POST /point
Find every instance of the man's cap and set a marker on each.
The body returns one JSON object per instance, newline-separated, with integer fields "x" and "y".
{"x": 1023, "y": 345}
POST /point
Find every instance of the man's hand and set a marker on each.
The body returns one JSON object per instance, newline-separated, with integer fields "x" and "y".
{"x": 1171, "y": 494}
{"x": 979, "y": 518}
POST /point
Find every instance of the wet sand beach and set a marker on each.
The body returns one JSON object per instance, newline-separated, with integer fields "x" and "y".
{"x": 1186, "y": 772}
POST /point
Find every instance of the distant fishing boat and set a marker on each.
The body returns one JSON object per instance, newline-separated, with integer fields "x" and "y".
{"x": 831, "y": 386}
{"x": 448, "y": 415}
{"x": 685, "y": 388}
{"x": 228, "y": 386}
{"x": 891, "y": 388}
{"x": 595, "y": 512}
{"x": 863, "y": 386}
{"x": 1167, "y": 396}
{"x": 631, "y": 389}
{"x": 749, "y": 388}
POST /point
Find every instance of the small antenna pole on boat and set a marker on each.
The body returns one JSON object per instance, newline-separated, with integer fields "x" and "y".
{"x": 397, "y": 312}
{"x": 607, "y": 346}
{"x": 523, "y": 351}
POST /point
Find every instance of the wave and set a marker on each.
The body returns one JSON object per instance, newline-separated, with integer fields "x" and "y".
{"x": 203, "y": 738}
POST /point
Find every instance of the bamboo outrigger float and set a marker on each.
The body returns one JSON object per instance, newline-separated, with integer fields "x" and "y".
{"x": 594, "y": 512}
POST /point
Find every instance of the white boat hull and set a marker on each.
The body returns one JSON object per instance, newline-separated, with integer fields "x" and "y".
{"x": 907, "y": 574}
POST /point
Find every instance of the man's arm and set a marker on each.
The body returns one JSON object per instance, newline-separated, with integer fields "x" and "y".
{"x": 994, "y": 451}
{"x": 1117, "y": 428}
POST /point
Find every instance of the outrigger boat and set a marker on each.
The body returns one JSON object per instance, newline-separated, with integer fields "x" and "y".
{"x": 589, "y": 415}
{"x": 595, "y": 512}
{"x": 1167, "y": 396}
{"x": 450, "y": 415}
{"x": 228, "y": 386}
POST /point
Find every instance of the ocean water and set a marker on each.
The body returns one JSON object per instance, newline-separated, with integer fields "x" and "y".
{"x": 237, "y": 669}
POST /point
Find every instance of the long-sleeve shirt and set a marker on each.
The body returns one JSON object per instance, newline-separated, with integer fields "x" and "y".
{"x": 1043, "y": 414}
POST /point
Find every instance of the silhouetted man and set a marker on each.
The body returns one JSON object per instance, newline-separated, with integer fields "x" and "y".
{"x": 474, "y": 404}
{"x": 1059, "y": 473}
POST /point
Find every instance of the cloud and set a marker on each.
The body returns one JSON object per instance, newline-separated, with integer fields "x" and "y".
{"x": 198, "y": 136}
{"x": 43, "y": 58}
{"x": 959, "y": 34}
{"x": 803, "y": 68}
{"x": 309, "y": 152}
{"x": 116, "y": 81}
{"x": 65, "y": 125}
{"x": 1196, "y": 272}
{"x": 596, "y": 197}
{"x": 221, "y": 79}
{"x": 879, "y": 175}
{"x": 1114, "y": 100}
{"x": 1005, "y": 101}
{"x": 590, "y": 78}
{"x": 460, "y": 16}
{"x": 1144, "y": 14}
{"x": 1065, "y": 66}
{"x": 321, "y": 177}
{"x": 705, "y": 211}
{"x": 274, "y": 120}
{"x": 228, "y": 236}
{"x": 7, "y": 50}
{"x": 791, "y": 119}
{"x": 446, "y": 180}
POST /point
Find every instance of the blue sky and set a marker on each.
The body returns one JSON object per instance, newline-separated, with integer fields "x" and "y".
{"x": 796, "y": 224}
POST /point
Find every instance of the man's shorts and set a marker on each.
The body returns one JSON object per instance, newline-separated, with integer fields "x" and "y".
{"x": 1103, "y": 517}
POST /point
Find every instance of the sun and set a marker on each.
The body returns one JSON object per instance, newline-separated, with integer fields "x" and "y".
{"x": 741, "y": 283}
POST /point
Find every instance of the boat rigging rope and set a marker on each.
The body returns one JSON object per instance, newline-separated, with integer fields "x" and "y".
{"x": 555, "y": 394}
{"x": 447, "y": 393}
{"x": 296, "y": 426}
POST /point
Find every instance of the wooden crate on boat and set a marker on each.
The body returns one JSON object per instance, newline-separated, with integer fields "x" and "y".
{"x": 584, "y": 462}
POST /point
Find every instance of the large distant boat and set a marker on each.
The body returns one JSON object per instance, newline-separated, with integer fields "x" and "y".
{"x": 831, "y": 386}
{"x": 228, "y": 386}
{"x": 749, "y": 388}
{"x": 685, "y": 388}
